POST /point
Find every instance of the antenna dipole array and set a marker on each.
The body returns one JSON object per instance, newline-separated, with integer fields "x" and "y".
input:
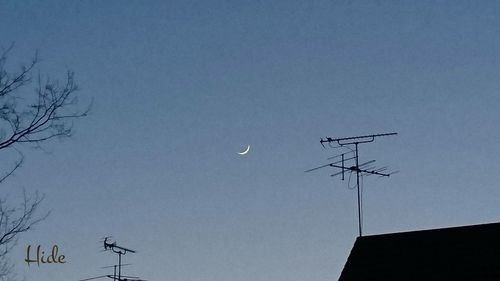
{"x": 120, "y": 251}
{"x": 360, "y": 169}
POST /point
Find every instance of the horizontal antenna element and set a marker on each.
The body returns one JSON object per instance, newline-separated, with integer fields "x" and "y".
{"x": 358, "y": 139}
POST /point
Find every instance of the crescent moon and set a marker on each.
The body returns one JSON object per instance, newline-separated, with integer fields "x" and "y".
{"x": 245, "y": 152}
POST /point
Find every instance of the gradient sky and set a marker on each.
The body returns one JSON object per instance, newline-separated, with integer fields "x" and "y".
{"x": 180, "y": 86}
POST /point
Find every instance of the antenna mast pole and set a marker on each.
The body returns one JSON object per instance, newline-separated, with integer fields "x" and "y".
{"x": 356, "y": 141}
{"x": 120, "y": 265}
{"x": 357, "y": 188}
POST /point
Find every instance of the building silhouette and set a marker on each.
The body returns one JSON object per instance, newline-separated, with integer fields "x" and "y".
{"x": 456, "y": 253}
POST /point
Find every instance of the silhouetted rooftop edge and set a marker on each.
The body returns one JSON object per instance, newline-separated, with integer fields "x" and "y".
{"x": 453, "y": 253}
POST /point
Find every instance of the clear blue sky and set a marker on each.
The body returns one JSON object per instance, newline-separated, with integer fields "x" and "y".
{"x": 180, "y": 86}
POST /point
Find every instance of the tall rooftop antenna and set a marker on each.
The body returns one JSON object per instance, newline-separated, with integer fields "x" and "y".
{"x": 359, "y": 169}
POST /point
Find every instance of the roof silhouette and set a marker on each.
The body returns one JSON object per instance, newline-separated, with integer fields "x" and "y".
{"x": 456, "y": 253}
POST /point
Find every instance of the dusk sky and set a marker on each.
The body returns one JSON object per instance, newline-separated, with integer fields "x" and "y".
{"x": 179, "y": 87}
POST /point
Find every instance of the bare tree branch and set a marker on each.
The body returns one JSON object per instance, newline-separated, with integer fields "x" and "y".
{"x": 47, "y": 117}
{"x": 16, "y": 166}
{"x": 32, "y": 118}
{"x": 13, "y": 221}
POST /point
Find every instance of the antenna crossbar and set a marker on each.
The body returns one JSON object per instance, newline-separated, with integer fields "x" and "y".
{"x": 354, "y": 140}
{"x": 357, "y": 169}
{"x": 329, "y": 164}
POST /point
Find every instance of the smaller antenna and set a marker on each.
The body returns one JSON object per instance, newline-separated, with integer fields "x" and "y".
{"x": 117, "y": 276}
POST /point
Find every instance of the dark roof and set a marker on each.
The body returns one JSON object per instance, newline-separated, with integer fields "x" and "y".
{"x": 457, "y": 253}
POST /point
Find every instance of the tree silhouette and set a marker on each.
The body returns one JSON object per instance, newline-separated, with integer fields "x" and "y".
{"x": 29, "y": 117}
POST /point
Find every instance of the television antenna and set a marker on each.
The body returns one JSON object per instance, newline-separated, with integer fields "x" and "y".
{"x": 365, "y": 168}
{"x": 119, "y": 250}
